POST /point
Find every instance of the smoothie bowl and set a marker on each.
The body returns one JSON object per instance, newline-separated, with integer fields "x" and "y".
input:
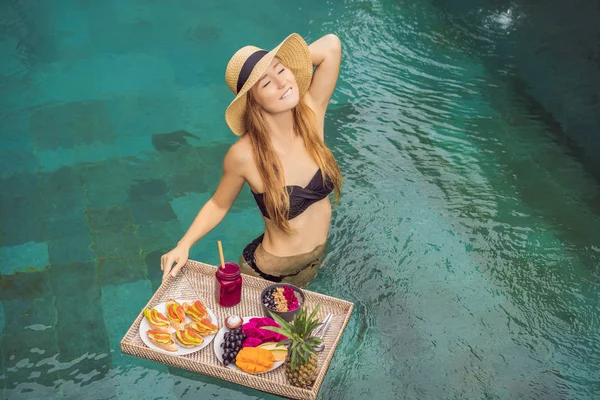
{"x": 282, "y": 299}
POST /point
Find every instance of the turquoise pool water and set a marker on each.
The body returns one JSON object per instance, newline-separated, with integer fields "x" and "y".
{"x": 468, "y": 236}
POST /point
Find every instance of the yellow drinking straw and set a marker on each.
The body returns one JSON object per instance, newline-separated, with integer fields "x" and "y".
{"x": 221, "y": 254}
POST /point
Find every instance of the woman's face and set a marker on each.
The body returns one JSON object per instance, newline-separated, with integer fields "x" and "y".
{"x": 277, "y": 90}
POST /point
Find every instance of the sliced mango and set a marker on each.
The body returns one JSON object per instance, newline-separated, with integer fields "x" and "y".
{"x": 156, "y": 318}
{"x": 189, "y": 337}
{"x": 175, "y": 311}
{"x": 196, "y": 310}
{"x": 279, "y": 354}
{"x": 160, "y": 336}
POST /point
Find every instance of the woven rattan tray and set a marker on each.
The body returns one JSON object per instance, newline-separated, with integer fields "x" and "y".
{"x": 196, "y": 281}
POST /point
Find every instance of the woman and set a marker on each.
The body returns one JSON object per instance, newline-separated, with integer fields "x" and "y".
{"x": 279, "y": 112}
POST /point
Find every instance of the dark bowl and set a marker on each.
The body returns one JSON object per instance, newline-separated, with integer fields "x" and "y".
{"x": 286, "y": 315}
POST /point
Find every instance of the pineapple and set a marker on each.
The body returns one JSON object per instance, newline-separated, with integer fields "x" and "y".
{"x": 302, "y": 361}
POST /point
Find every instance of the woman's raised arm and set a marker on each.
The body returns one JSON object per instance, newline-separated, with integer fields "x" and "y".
{"x": 326, "y": 54}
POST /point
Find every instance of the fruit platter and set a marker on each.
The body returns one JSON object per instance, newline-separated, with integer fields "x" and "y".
{"x": 246, "y": 335}
{"x": 276, "y": 338}
{"x": 178, "y": 326}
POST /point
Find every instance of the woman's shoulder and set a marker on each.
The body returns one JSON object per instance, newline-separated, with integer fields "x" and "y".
{"x": 239, "y": 153}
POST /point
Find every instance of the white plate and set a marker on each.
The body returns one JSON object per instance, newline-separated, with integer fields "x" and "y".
{"x": 219, "y": 351}
{"x": 181, "y": 351}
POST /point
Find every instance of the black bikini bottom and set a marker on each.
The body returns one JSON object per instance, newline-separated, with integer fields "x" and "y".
{"x": 248, "y": 255}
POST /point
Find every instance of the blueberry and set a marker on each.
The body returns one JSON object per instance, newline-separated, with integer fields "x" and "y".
{"x": 225, "y": 362}
{"x": 238, "y": 343}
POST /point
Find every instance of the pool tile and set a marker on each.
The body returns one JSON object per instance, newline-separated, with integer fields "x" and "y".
{"x": 89, "y": 369}
{"x": 155, "y": 235}
{"x": 2, "y": 375}
{"x": 205, "y": 34}
{"x": 24, "y": 391}
{"x": 96, "y": 386}
{"x": 72, "y": 124}
{"x": 29, "y": 315}
{"x": 153, "y": 267}
{"x": 121, "y": 304}
{"x": 24, "y": 223}
{"x": 112, "y": 219}
{"x": 21, "y": 194}
{"x": 66, "y": 225}
{"x": 51, "y": 159}
{"x": 1, "y": 323}
{"x": 14, "y": 131}
{"x": 152, "y": 210}
{"x": 115, "y": 245}
{"x": 62, "y": 191}
{"x": 24, "y": 353}
{"x": 148, "y": 190}
{"x": 106, "y": 196}
{"x": 30, "y": 256}
{"x": 191, "y": 181}
{"x": 189, "y": 385}
{"x": 70, "y": 249}
{"x": 112, "y": 76}
{"x": 64, "y": 180}
{"x": 211, "y": 155}
{"x": 23, "y": 185}
{"x": 245, "y": 203}
{"x": 17, "y": 161}
{"x": 149, "y": 383}
{"x": 186, "y": 207}
{"x": 153, "y": 107}
{"x": 185, "y": 158}
{"x": 24, "y": 285}
{"x": 172, "y": 141}
{"x": 116, "y": 271}
{"x": 80, "y": 323}
{"x": 68, "y": 279}
{"x": 102, "y": 173}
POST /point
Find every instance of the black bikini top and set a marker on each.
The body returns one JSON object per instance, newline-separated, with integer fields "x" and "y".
{"x": 300, "y": 197}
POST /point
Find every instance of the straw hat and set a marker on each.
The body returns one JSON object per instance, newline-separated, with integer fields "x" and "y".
{"x": 249, "y": 63}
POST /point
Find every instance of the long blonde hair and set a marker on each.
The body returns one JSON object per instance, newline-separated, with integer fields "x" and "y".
{"x": 277, "y": 201}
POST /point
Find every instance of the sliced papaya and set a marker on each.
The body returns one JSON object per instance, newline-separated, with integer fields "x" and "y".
{"x": 160, "y": 336}
{"x": 154, "y": 318}
{"x": 207, "y": 324}
{"x": 158, "y": 317}
{"x": 200, "y": 307}
{"x": 179, "y": 312}
{"x": 172, "y": 313}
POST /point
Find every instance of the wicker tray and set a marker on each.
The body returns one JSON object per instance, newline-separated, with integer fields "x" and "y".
{"x": 196, "y": 280}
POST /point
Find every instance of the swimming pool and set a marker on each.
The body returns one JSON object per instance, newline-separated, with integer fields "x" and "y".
{"x": 468, "y": 235}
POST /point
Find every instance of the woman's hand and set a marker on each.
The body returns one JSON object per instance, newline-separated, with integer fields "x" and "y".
{"x": 178, "y": 255}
